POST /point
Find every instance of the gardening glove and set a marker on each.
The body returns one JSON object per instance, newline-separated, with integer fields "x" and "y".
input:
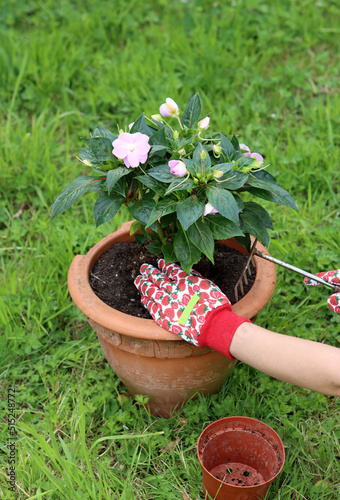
{"x": 190, "y": 306}
{"x": 331, "y": 277}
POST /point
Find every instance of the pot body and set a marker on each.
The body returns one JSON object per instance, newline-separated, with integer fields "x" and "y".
{"x": 148, "y": 359}
{"x": 243, "y": 451}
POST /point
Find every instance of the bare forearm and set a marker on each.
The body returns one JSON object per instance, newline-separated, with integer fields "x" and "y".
{"x": 298, "y": 361}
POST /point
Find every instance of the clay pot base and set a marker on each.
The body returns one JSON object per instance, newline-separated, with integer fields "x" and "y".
{"x": 237, "y": 474}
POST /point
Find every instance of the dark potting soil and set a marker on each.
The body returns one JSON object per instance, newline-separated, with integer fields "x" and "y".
{"x": 113, "y": 274}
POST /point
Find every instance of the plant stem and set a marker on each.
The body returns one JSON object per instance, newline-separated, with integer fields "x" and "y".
{"x": 160, "y": 233}
{"x": 179, "y": 121}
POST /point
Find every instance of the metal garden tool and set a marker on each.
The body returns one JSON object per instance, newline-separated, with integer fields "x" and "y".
{"x": 250, "y": 262}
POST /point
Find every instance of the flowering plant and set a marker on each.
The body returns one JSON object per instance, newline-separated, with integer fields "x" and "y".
{"x": 182, "y": 183}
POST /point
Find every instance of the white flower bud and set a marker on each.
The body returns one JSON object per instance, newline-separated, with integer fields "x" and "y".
{"x": 158, "y": 117}
{"x": 217, "y": 174}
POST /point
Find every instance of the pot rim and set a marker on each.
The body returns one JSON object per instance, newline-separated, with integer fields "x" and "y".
{"x": 250, "y": 421}
{"x": 108, "y": 317}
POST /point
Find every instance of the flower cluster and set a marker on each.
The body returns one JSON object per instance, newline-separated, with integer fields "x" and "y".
{"x": 181, "y": 182}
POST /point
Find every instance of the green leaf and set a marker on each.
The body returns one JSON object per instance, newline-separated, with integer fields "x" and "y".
{"x": 186, "y": 252}
{"x": 157, "y": 150}
{"x": 251, "y": 206}
{"x": 142, "y": 209}
{"x": 233, "y": 180}
{"x": 161, "y": 173}
{"x": 189, "y": 210}
{"x": 200, "y": 149}
{"x": 101, "y": 148}
{"x": 265, "y": 176}
{"x": 227, "y": 148}
{"x": 245, "y": 161}
{"x": 158, "y": 138}
{"x": 119, "y": 187}
{"x": 193, "y": 167}
{"x": 86, "y": 154}
{"x": 99, "y": 188}
{"x": 192, "y": 112}
{"x": 201, "y": 236}
{"x": 73, "y": 192}
{"x": 168, "y": 132}
{"x": 169, "y": 253}
{"x": 244, "y": 240}
{"x": 113, "y": 176}
{"x": 135, "y": 226}
{"x": 239, "y": 201}
{"x": 106, "y": 207}
{"x": 140, "y": 239}
{"x": 270, "y": 192}
{"x": 235, "y": 143}
{"x": 168, "y": 219}
{"x": 252, "y": 224}
{"x": 224, "y": 167}
{"x": 141, "y": 126}
{"x": 103, "y": 132}
{"x": 162, "y": 208}
{"x": 224, "y": 202}
{"x": 153, "y": 184}
{"x": 180, "y": 184}
{"x": 155, "y": 247}
{"x": 222, "y": 228}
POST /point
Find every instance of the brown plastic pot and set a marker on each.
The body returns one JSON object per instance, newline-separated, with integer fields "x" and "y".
{"x": 148, "y": 359}
{"x": 240, "y": 457}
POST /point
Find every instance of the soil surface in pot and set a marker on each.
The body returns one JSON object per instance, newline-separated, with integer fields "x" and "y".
{"x": 113, "y": 274}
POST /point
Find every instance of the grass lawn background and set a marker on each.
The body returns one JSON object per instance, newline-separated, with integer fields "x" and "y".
{"x": 266, "y": 71}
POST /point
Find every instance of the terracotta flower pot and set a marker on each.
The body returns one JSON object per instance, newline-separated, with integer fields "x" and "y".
{"x": 240, "y": 457}
{"x": 148, "y": 359}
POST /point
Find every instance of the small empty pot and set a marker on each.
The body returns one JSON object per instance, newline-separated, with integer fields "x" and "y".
{"x": 240, "y": 457}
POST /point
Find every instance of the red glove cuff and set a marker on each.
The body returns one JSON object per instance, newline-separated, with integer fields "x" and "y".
{"x": 219, "y": 329}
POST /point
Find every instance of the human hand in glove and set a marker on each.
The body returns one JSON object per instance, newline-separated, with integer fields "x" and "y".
{"x": 190, "y": 306}
{"x": 331, "y": 277}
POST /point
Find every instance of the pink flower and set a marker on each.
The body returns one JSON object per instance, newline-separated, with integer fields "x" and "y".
{"x": 248, "y": 153}
{"x": 132, "y": 148}
{"x": 204, "y": 123}
{"x": 131, "y": 125}
{"x": 257, "y": 156}
{"x": 243, "y": 147}
{"x": 177, "y": 167}
{"x": 169, "y": 108}
{"x": 209, "y": 209}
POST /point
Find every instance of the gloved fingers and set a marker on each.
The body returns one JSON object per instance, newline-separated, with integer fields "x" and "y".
{"x": 310, "y": 282}
{"x": 162, "y": 319}
{"x": 332, "y": 276}
{"x": 155, "y": 275}
{"x": 334, "y": 302}
{"x": 149, "y": 289}
{"x": 173, "y": 271}
{"x": 329, "y": 276}
{"x": 153, "y": 308}
{"x": 193, "y": 272}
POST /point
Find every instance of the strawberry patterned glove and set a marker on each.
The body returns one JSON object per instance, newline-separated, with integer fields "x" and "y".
{"x": 331, "y": 277}
{"x": 190, "y": 306}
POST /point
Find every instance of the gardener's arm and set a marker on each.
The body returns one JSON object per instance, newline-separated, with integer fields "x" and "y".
{"x": 196, "y": 310}
{"x": 298, "y": 361}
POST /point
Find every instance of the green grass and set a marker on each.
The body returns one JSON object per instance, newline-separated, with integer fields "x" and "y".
{"x": 264, "y": 70}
